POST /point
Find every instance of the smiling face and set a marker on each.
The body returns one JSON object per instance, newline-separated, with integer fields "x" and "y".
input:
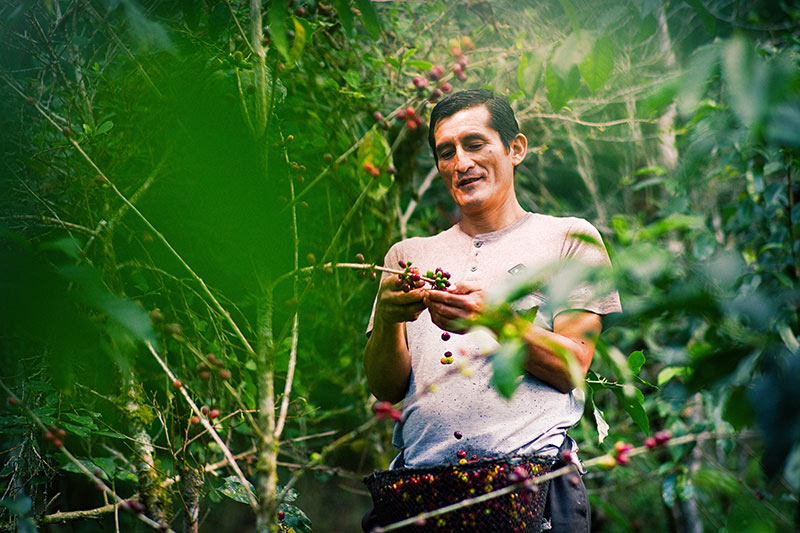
{"x": 477, "y": 169}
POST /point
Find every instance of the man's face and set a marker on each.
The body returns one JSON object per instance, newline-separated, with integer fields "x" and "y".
{"x": 477, "y": 169}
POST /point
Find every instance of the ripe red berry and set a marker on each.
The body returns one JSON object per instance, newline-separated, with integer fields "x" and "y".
{"x": 58, "y": 443}
{"x": 212, "y": 359}
{"x": 461, "y": 454}
{"x": 650, "y": 442}
{"x": 13, "y": 401}
{"x": 435, "y": 72}
{"x": 446, "y": 87}
{"x": 214, "y": 413}
{"x": 204, "y": 409}
{"x": 435, "y": 95}
{"x": 662, "y": 436}
{"x": 377, "y": 116}
{"x": 60, "y": 433}
{"x": 49, "y": 436}
{"x": 411, "y": 124}
{"x": 195, "y": 419}
{"x": 462, "y": 76}
{"x": 622, "y": 447}
{"x": 281, "y": 515}
{"x": 177, "y": 384}
{"x": 301, "y": 12}
{"x": 420, "y": 82}
{"x": 445, "y": 336}
{"x": 395, "y": 414}
{"x": 410, "y": 112}
{"x": 623, "y": 459}
{"x": 401, "y": 115}
{"x": 224, "y": 374}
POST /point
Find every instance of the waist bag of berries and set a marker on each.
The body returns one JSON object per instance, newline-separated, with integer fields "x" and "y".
{"x": 407, "y": 493}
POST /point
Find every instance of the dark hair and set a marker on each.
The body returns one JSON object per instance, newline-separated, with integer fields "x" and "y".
{"x": 501, "y": 116}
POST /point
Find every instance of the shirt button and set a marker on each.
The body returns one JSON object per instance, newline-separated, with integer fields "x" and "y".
{"x": 473, "y": 269}
{"x": 478, "y": 244}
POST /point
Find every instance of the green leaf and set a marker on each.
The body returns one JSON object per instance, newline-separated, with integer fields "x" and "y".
{"x": 294, "y": 518}
{"x": 507, "y": 367}
{"x": 420, "y": 64}
{"x": 104, "y": 127}
{"x": 632, "y": 401}
{"x": 701, "y": 65}
{"x": 561, "y": 90}
{"x": 235, "y": 490}
{"x": 81, "y": 420}
{"x": 407, "y": 54}
{"x": 738, "y": 410}
{"x": 599, "y": 63}
{"x": 300, "y": 33}
{"x": 636, "y": 360}
{"x": 277, "y": 27}
{"x": 369, "y": 17}
{"x": 111, "y": 434}
{"x": 77, "y": 430}
{"x": 345, "y": 14}
{"x": 529, "y": 72}
{"x": 670, "y": 372}
{"x": 708, "y": 19}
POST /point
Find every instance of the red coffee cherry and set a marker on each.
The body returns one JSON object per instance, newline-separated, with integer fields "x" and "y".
{"x": 214, "y": 413}
{"x": 177, "y": 384}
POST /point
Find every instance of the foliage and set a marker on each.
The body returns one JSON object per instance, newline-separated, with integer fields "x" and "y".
{"x": 177, "y": 176}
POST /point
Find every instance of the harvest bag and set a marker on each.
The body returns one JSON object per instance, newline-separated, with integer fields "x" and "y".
{"x": 406, "y": 492}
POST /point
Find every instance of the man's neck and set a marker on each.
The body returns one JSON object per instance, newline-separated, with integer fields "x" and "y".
{"x": 478, "y": 223}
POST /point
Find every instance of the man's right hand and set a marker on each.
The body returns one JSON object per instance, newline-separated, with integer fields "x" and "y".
{"x": 394, "y": 305}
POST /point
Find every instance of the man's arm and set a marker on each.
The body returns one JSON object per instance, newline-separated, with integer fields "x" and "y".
{"x": 574, "y": 331}
{"x": 386, "y": 359}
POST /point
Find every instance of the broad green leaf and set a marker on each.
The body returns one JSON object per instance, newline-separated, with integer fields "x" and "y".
{"x": 235, "y": 490}
{"x": 104, "y": 127}
{"x": 375, "y": 150}
{"x": 738, "y": 410}
{"x": 596, "y": 68}
{"x": 69, "y": 466}
{"x": 632, "y": 400}
{"x": 80, "y": 431}
{"x": 408, "y": 53}
{"x": 507, "y": 367}
{"x": 81, "y": 420}
{"x": 277, "y": 26}
{"x": 420, "y": 64}
{"x": 668, "y": 373}
{"x": 560, "y": 91}
{"x": 345, "y": 14}
{"x": 696, "y": 77}
{"x": 299, "y": 42}
{"x": 636, "y": 360}
{"x": 529, "y": 72}
{"x": 294, "y": 518}
{"x": 369, "y": 17}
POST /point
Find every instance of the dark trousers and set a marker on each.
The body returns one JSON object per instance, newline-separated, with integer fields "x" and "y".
{"x": 567, "y": 506}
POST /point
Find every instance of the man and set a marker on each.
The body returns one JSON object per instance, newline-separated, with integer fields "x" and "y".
{"x": 477, "y": 146}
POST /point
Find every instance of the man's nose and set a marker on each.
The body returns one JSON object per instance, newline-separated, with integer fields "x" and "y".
{"x": 464, "y": 161}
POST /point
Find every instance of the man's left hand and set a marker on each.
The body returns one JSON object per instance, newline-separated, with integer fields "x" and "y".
{"x": 462, "y": 302}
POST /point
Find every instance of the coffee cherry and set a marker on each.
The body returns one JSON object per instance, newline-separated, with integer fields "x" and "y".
{"x": 204, "y": 409}
{"x": 446, "y": 87}
{"x": 195, "y": 420}
{"x": 435, "y": 72}
{"x": 224, "y": 374}
{"x": 455, "y": 51}
{"x": 177, "y": 384}
{"x": 58, "y": 443}
{"x": 12, "y": 401}
{"x": 623, "y": 459}
{"x": 607, "y": 461}
{"x": 156, "y": 316}
{"x": 462, "y": 60}
{"x": 205, "y": 375}
{"x": 328, "y": 158}
{"x": 622, "y": 447}
{"x": 662, "y": 436}
{"x": 446, "y": 360}
{"x": 461, "y": 454}
{"x": 435, "y": 95}
{"x": 29, "y": 100}
{"x": 410, "y": 112}
{"x": 214, "y": 413}
{"x": 360, "y": 258}
{"x": 212, "y": 359}
{"x": 466, "y": 43}
{"x": 49, "y": 436}
{"x": 445, "y": 336}
{"x": 391, "y": 170}
{"x": 301, "y": 12}
{"x": 173, "y": 328}
{"x": 411, "y": 124}
{"x": 420, "y": 83}
{"x": 60, "y": 433}
{"x": 66, "y": 131}
{"x": 457, "y": 435}
{"x": 135, "y": 506}
{"x": 650, "y": 442}
{"x": 377, "y": 116}
{"x": 281, "y": 515}
{"x": 370, "y": 168}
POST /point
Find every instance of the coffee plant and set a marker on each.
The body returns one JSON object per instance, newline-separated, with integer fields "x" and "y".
{"x": 185, "y": 186}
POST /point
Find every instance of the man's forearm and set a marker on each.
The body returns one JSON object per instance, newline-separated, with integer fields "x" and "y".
{"x": 387, "y": 362}
{"x": 561, "y": 357}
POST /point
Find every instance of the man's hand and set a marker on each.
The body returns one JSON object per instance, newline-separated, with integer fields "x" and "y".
{"x": 462, "y": 302}
{"x": 396, "y": 306}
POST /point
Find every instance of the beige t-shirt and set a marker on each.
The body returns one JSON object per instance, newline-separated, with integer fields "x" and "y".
{"x": 535, "y": 419}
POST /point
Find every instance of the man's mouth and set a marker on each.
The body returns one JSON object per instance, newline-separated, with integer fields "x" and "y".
{"x": 466, "y": 181}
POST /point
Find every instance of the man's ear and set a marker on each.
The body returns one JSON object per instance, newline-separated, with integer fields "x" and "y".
{"x": 518, "y": 149}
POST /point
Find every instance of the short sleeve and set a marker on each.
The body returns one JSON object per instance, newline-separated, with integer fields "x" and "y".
{"x": 391, "y": 260}
{"x": 584, "y": 247}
